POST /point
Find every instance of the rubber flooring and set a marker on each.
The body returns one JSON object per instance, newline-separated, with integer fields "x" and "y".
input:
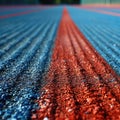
{"x": 59, "y": 63}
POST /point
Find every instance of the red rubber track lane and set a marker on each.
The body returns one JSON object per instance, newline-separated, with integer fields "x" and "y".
{"x": 100, "y": 11}
{"x": 105, "y": 12}
{"x": 18, "y": 14}
{"x": 7, "y": 8}
{"x": 115, "y": 6}
{"x": 80, "y": 85}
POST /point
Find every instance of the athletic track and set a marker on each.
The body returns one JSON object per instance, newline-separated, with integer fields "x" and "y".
{"x": 59, "y": 63}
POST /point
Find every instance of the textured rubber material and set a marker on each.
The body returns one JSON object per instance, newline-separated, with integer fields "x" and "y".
{"x": 102, "y": 31}
{"x": 26, "y": 44}
{"x": 80, "y": 85}
{"x": 18, "y": 13}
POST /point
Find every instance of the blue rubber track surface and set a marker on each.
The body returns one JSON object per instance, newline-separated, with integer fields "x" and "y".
{"x": 26, "y": 44}
{"x": 102, "y": 31}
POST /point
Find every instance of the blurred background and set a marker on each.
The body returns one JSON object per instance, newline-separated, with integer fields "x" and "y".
{"x": 12, "y": 2}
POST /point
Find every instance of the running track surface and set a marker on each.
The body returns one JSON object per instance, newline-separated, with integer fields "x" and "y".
{"x": 59, "y": 62}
